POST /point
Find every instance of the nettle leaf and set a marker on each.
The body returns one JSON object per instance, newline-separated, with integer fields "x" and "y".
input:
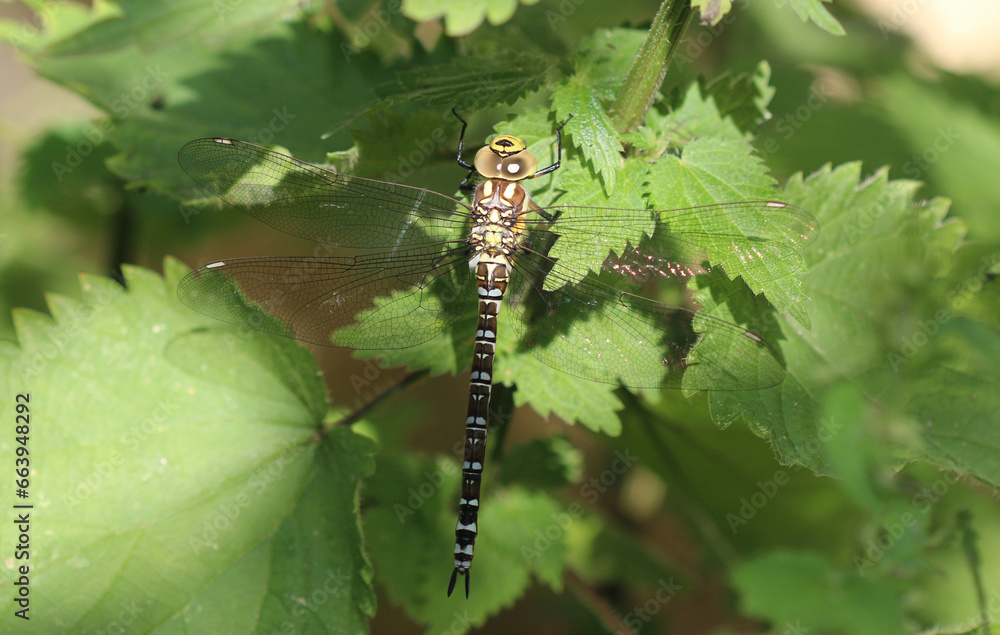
{"x": 150, "y": 26}
{"x": 469, "y": 83}
{"x": 183, "y": 469}
{"x": 798, "y": 588}
{"x": 392, "y": 147}
{"x": 579, "y": 252}
{"x": 543, "y": 463}
{"x": 888, "y": 318}
{"x": 744, "y": 98}
{"x": 448, "y": 303}
{"x": 696, "y": 117}
{"x": 815, "y": 11}
{"x": 591, "y": 128}
{"x": 410, "y": 525}
{"x": 551, "y": 392}
{"x": 462, "y": 17}
{"x": 608, "y": 56}
{"x": 723, "y": 169}
{"x": 712, "y": 11}
{"x": 281, "y": 84}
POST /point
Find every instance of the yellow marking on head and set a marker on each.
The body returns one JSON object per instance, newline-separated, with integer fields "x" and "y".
{"x": 506, "y": 145}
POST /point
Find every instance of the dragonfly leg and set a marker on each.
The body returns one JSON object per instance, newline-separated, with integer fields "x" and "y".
{"x": 461, "y": 144}
{"x": 555, "y": 166}
{"x": 547, "y": 215}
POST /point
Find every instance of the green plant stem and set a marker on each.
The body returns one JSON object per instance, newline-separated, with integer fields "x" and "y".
{"x": 650, "y": 65}
{"x": 352, "y": 417}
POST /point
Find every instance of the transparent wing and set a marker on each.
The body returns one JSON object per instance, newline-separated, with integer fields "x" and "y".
{"x": 305, "y": 200}
{"x": 376, "y": 301}
{"x": 595, "y": 331}
{"x": 673, "y": 244}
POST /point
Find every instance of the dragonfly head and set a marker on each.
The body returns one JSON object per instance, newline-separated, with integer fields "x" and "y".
{"x": 506, "y": 158}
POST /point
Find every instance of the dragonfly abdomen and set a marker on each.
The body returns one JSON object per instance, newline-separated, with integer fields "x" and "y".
{"x": 492, "y": 275}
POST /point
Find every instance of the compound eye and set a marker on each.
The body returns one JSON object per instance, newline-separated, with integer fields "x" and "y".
{"x": 520, "y": 166}
{"x": 488, "y": 163}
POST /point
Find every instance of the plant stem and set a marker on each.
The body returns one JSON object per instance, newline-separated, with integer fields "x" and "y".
{"x": 365, "y": 408}
{"x": 651, "y": 64}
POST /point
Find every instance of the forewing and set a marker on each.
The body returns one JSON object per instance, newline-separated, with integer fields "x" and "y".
{"x": 376, "y": 301}
{"x": 310, "y": 202}
{"x": 598, "y": 332}
{"x": 673, "y": 245}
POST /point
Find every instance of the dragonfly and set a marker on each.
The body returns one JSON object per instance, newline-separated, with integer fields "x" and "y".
{"x": 431, "y": 263}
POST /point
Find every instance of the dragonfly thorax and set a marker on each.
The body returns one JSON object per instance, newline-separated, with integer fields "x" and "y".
{"x": 497, "y": 220}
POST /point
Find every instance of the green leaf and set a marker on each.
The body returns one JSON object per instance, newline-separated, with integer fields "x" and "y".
{"x": 572, "y": 398}
{"x": 590, "y": 127}
{"x": 723, "y": 169}
{"x": 910, "y": 352}
{"x": 712, "y": 11}
{"x": 391, "y": 148}
{"x": 447, "y": 303}
{"x": 158, "y": 99}
{"x": 150, "y": 26}
{"x": 543, "y": 463}
{"x": 815, "y": 11}
{"x": 608, "y": 55}
{"x": 950, "y": 143}
{"x": 462, "y": 16}
{"x": 804, "y": 590}
{"x": 579, "y": 252}
{"x": 316, "y": 554}
{"x": 743, "y": 98}
{"x": 410, "y": 526}
{"x": 211, "y": 437}
{"x": 63, "y": 21}
{"x": 469, "y": 83}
